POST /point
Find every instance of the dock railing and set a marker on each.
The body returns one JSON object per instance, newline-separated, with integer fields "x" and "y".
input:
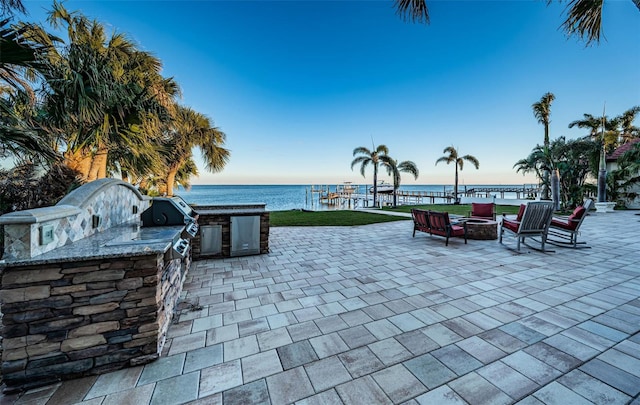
{"x": 527, "y": 191}
{"x": 350, "y": 196}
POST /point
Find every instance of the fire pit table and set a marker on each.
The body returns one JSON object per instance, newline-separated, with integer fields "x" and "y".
{"x": 480, "y": 229}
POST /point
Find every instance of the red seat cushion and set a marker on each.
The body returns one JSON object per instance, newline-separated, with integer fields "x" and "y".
{"x": 457, "y": 230}
{"x": 561, "y": 224}
{"x": 572, "y": 222}
{"x": 577, "y": 213}
{"x": 521, "y": 212}
{"x": 511, "y": 225}
{"x": 482, "y": 210}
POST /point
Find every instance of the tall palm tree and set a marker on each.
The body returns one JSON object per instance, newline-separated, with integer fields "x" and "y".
{"x": 192, "y": 129}
{"x": 394, "y": 169}
{"x": 454, "y": 157}
{"x": 542, "y": 112}
{"x": 370, "y": 157}
{"x": 101, "y": 91}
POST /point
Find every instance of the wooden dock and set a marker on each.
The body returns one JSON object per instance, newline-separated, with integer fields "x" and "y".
{"x": 419, "y": 197}
{"x": 354, "y": 197}
{"x": 526, "y": 191}
{"x": 347, "y": 196}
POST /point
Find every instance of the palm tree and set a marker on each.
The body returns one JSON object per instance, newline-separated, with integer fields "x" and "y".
{"x": 542, "y": 112}
{"x": 368, "y": 157}
{"x": 594, "y": 125}
{"x": 394, "y": 169}
{"x": 22, "y": 49}
{"x": 589, "y": 122}
{"x": 455, "y": 158}
{"x": 627, "y": 130}
{"x": 101, "y": 93}
{"x": 573, "y": 160}
{"x": 17, "y": 57}
{"x": 536, "y": 163}
{"x": 192, "y": 129}
{"x": 17, "y": 135}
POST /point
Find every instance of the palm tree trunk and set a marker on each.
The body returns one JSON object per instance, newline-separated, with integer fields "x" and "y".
{"x": 98, "y": 168}
{"x": 79, "y": 160}
{"x": 396, "y": 186}
{"x": 545, "y": 183}
{"x": 546, "y": 135}
{"x": 171, "y": 180}
{"x": 101, "y": 162}
{"x": 555, "y": 189}
{"x": 455, "y": 187}
{"x": 375, "y": 183}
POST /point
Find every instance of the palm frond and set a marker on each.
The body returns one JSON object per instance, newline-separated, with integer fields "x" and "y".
{"x": 413, "y": 10}
{"x": 382, "y": 150}
{"x": 361, "y": 150}
{"x": 7, "y": 7}
{"x": 473, "y": 160}
{"x": 364, "y": 165}
{"x": 359, "y": 160}
{"x": 584, "y": 18}
{"x": 445, "y": 159}
{"x": 542, "y": 108}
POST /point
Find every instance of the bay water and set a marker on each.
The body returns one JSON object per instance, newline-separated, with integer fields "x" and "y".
{"x": 289, "y": 197}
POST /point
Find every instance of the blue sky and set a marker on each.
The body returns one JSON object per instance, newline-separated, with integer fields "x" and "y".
{"x": 297, "y": 85}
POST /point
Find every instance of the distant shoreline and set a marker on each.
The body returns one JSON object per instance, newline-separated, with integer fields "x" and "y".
{"x": 278, "y": 197}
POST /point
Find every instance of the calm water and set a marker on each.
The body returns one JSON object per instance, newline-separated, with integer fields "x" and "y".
{"x": 283, "y": 197}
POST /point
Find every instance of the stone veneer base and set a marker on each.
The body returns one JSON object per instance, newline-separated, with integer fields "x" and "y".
{"x": 97, "y": 294}
{"x": 72, "y": 319}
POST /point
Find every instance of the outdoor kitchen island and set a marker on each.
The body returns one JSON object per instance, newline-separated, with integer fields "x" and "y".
{"x": 231, "y": 230}
{"x": 85, "y": 288}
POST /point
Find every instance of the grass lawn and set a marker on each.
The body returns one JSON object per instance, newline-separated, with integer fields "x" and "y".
{"x": 328, "y": 218}
{"x": 351, "y": 218}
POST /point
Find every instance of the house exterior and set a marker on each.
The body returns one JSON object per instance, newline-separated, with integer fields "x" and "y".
{"x": 632, "y": 200}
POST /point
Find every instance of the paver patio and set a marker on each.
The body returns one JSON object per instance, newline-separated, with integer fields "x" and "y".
{"x": 370, "y": 315}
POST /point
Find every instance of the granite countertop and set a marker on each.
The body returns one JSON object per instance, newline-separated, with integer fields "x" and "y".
{"x": 235, "y": 209}
{"x": 125, "y": 240}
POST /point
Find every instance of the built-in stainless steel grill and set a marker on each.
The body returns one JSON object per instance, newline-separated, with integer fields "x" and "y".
{"x": 173, "y": 211}
{"x": 169, "y": 211}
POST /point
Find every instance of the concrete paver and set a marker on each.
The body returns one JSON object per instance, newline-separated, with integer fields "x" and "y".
{"x": 370, "y": 314}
